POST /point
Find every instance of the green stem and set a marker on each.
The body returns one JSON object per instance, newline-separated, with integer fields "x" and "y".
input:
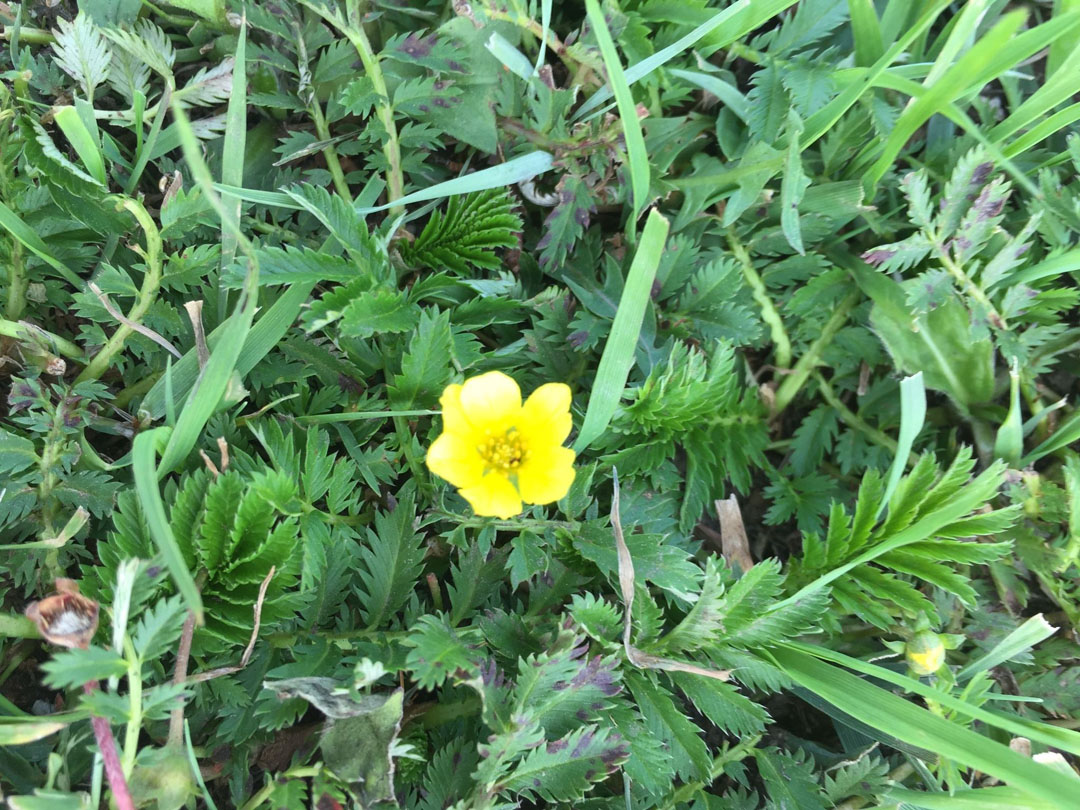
{"x": 514, "y": 524}
{"x": 329, "y": 153}
{"x": 853, "y": 420}
{"x": 794, "y": 382}
{"x": 134, "y": 723}
{"x": 769, "y": 313}
{"x": 395, "y": 182}
{"x": 969, "y": 286}
{"x": 136, "y": 389}
{"x": 686, "y": 792}
{"x": 21, "y": 331}
{"x": 17, "y": 282}
{"x": 31, "y": 36}
{"x": 143, "y": 301}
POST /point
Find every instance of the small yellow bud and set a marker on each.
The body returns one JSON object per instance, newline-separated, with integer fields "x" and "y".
{"x": 925, "y": 653}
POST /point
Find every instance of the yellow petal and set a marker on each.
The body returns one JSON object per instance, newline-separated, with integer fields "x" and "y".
{"x": 546, "y": 476}
{"x": 454, "y": 458}
{"x": 453, "y": 415}
{"x": 491, "y": 402}
{"x": 494, "y": 496}
{"x": 545, "y": 418}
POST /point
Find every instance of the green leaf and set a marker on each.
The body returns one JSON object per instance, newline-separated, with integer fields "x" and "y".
{"x": 664, "y": 720}
{"x": 426, "y": 365}
{"x": 158, "y": 628}
{"x": 73, "y": 668}
{"x": 378, "y": 311}
{"x": 789, "y": 780}
{"x": 437, "y": 651}
{"x": 618, "y": 356}
{"x": 563, "y": 769}
{"x": 793, "y": 186}
{"x": 82, "y": 52}
{"x": 16, "y": 452}
{"x": 473, "y": 226}
{"x": 393, "y": 558}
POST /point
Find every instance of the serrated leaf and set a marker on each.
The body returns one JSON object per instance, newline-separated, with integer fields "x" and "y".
{"x": 73, "y": 668}
{"x": 82, "y": 52}
{"x": 467, "y": 234}
{"x": 426, "y": 365}
{"x": 393, "y": 557}
{"x": 562, "y": 770}
{"x": 158, "y": 628}
{"x": 567, "y": 220}
{"x": 378, "y": 311}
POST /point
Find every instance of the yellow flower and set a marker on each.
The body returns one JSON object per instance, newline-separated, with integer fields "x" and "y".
{"x": 498, "y": 452}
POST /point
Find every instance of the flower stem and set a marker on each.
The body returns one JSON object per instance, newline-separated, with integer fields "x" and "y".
{"x": 106, "y": 744}
{"x": 769, "y": 313}
{"x": 143, "y": 301}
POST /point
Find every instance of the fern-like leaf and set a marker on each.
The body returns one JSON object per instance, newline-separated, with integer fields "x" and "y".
{"x": 467, "y": 234}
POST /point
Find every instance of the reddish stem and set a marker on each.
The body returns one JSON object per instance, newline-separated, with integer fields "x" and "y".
{"x": 114, "y": 771}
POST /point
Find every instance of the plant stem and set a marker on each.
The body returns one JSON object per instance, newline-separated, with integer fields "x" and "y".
{"x": 794, "y": 382}
{"x": 143, "y": 301}
{"x": 969, "y": 286}
{"x": 134, "y": 723}
{"x": 739, "y": 752}
{"x": 31, "y": 36}
{"x": 183, "y": 654}
{"x": 107, "y": 746}
{"x": 21, "y": 330}
{"x": 354, "y": 32}
{"x": 769, "y": 313}
{"x": 329, "y": 153}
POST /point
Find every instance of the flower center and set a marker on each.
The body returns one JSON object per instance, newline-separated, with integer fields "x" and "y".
{"x": 504, "y": 453}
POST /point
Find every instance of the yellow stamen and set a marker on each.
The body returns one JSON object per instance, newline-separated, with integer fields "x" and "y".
{"x": 504, "y": 453}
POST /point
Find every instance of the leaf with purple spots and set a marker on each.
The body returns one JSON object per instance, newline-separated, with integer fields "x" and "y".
{"x": 563, "y": 769}
{"x": 564, "y": 689}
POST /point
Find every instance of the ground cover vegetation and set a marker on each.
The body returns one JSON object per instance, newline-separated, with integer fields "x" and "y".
{"x": 510, "y": 403}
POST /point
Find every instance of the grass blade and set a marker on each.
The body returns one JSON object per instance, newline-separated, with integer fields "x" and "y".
{"x": 636, "y": 156}
{"x": 146, "y": 487}
{"x": 744, "y": 16}
{"x": 11, "y": 222}
{"x": 955, "y": 81}
{"x": 992, "y": 798}
{"x": 918, "y": 726}
{"x": 232, "y": 156}
{"x": 1062, "y": 738}
{"x": 513, "y": 171}
{"x": 912, "y": 418}
{"x": 866, "y": 30}
{"x": 264, "y": 335}
{"x": 82, "y": 141}
{"x": 618, "y": 356}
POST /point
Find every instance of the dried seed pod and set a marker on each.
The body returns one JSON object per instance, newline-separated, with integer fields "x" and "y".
{"x": 67, "y": 618}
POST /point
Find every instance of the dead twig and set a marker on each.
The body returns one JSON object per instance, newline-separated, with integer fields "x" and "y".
{"x": 130, "y": 324}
